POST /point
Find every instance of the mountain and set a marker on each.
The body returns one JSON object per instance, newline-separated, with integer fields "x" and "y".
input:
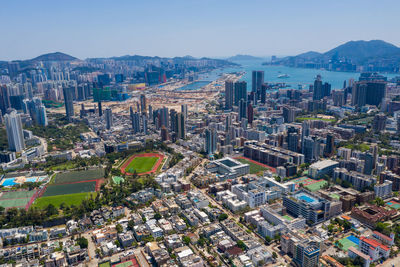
{"x": 309, "y": 55}
{"x": 242, "y": 57}
{"x": 177, "y": 60}
{"x": 382, "y": 56}
{"x": 57, "y": 56}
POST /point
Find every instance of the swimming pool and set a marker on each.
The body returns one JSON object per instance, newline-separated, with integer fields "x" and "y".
{"x": 306, "y": 198}
{"x": 8, "y": 182}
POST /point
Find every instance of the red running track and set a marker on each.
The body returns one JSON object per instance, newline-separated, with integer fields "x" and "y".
{"x": 153, "y": 170}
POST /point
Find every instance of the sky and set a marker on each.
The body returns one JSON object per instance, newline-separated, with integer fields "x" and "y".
{"x": 211, "y": 28}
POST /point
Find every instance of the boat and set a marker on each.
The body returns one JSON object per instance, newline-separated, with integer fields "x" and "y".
{"x": 281, "y": 76}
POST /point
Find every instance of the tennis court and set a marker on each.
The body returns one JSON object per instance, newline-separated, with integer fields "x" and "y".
{"x": 310, "y": 184}
{"x": 393, "y": 205}
{"x": 17, "y": 194}
{"x": 316, "y": 185}
{"x": 14, "y": 203}
{"x": 349, "y": 241}
{"x": 15, "y": 199}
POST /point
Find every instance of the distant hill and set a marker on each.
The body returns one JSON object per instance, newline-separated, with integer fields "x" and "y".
{"x": 242, "y": 57}
{"x": 309, "y": 55}
{"x": 57, "y": 56}
{"x": 138, "y": 58}
{"x": 374, "y": 52}
{"x": 360, "y": 51}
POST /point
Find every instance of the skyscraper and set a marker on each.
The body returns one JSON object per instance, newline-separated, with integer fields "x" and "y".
{"x": 229, "y": 94}
{"x": 109, "y": 118}
{"x": 210, "y": 141}
{"x": 163, "y": 117}
{"x": 4, "y": 99}
{"x": 181, "y": 126}
{"x": 368, "y": 93}
{"x": 293, "y": 141}
{"x": 68, "y": 101}
{"x": 263, "y": 96}
{"x": 14, "y": 130}
{"x": 184, "y": 110}
{"x": 256, "y": 82}
{"x": 338, "y": 97}
{"x": 379, "y": 122}
{"x": 240, "y": 92}
{"x": 242, "y": 109}
{"x": 164, "y": 133}
{"x": 143, "y": 104}
{"x": 135, "y": 118}
{"x": 321, "y": 90}
{"x": 330, "y": 145}
{"x": 368, "y": 163}
{"x": 317, "y": 93}
{"x": 310, "y": 149}
{"x": 150, "y": 113}
{"x": 359, "y": 95}
{"x": 173, "y": 120}
{"x": 37, "y": 111}
{"x": 289, "y": 114}
{"x": 250, "y": 113}
{"x": 144, "y": 124}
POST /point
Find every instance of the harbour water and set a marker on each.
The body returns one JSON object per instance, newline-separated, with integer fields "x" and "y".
{"x": 297, "y": 76}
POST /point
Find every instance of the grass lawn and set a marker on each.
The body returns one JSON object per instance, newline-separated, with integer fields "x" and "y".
{"x": 63, "y": 189}
{"x": 78, "y": 176}
{"x": 141, "y": 164}
{"x": 254, "y": 168}
{"x": 71, "y": 199}
{"x": 301, "y": 119}
{"x": 362, "y": 147}
{"x": 105, "y": 264}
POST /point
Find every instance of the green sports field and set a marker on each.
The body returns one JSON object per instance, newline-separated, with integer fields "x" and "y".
{"x": 62, "y": 189}
{"x": 124, "y": 264}
{"x": 316, "y": 186}
{"x": 70, "y": 199}
{"x": 254, "y": 168}
{"x": 141, "y": 164}
{"x": 301, "y": 119}
{"x": 78, "y": 176}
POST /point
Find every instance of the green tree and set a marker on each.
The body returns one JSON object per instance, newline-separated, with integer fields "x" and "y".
{"x": 119, "y": 228}
{"x": 241, "y": 244}
{"x": 82, "y": 242}
{"x": 157, "y": 216}
{"x": 51, "y": 210}
{"x": 186, "y": 240}
{"x": 222, "y": 217}
{"x": 379, "y": 202}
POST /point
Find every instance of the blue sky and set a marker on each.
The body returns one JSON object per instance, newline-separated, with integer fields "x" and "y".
{"x": 214, "y": 28}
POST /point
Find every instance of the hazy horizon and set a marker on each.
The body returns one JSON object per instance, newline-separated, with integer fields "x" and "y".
{"x": 217, "y": 29}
